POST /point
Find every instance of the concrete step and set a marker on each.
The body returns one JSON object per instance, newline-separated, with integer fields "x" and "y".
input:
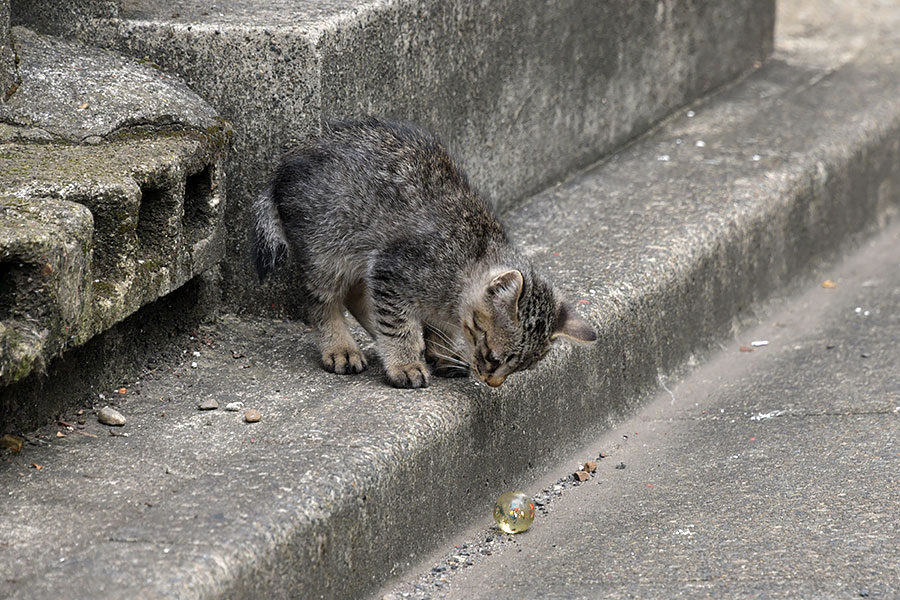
{"x": 111, "y": 196}
{"x": 345, "y": 481}
{"x": 759, "y": 475}
{"x": 523, "y": 92}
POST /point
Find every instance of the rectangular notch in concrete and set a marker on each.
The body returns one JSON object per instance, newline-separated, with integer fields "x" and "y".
{"x": 199, "y": 203}
{"x": 156, "y": 214}
{"x": 17, "y": 278}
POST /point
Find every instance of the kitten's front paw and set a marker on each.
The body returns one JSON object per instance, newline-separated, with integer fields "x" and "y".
{"x": 343, "y": 360}
{"x": 413, "y": 375}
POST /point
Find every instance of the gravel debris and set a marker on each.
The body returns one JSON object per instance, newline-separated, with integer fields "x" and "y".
{"x": 437, "y": 580}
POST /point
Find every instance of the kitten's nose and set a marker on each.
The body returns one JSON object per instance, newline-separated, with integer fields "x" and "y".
{"x": 495, "y": 380}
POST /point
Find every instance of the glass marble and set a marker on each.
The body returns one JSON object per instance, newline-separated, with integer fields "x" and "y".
{"x": 514, "y": 512}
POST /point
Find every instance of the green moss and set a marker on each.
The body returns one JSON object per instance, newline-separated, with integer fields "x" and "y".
{"x": 19, "y": 355}
{"x": 105, "y": 289}
{"x": 220, "y": 134}
{"x": 150, "y": 266}
{"x": 149, "y": 63}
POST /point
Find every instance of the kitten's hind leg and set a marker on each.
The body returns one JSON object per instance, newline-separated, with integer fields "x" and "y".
{"x": 357, "y": 302}
{"x": 442, "y": 355}
{"x": 340, "y": 354}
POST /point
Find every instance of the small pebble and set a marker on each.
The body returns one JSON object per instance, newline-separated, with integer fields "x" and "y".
{"x": 621, "y": 465}
{"x": 110, "y": 416}
{"x": 208, "y": 404}
{"x": 252, "y": 415}
{"x": 193, "y": 365}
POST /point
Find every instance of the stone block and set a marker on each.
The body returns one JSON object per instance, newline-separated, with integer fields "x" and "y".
{"x": 133, "y": 152}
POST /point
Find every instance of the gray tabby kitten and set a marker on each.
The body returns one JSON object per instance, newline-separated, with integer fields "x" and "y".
{"x": 379, "y": 219}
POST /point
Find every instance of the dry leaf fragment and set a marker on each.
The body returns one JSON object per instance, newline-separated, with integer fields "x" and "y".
{"x": 60, "y": 434}
{"x": 37, "y": 466}
{"x": 829, "y": 284}
{"x": 12, "y": 442}
{"x": 746, "y": 349}
{"x": 83, "y": 106}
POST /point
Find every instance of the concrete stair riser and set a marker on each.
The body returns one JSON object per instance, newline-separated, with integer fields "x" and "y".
{"x": 522, "y": 93}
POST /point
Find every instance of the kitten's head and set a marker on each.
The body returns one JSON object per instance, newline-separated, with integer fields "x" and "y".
{"x": 513, "y": 323}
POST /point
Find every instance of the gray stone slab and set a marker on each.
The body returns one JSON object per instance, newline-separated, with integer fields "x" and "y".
{"x": 345, "y": 481}
{"x": 524, "y": 93}
{"x": 68, "y": 93}
{"x": 772, "y": 473}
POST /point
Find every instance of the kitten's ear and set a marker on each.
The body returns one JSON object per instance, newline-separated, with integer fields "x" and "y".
{"x": 504, "y": 291}
{"x": 569, "y": 325}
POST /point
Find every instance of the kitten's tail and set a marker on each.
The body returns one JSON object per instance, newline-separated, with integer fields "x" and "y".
{"x": 268, "y": 243}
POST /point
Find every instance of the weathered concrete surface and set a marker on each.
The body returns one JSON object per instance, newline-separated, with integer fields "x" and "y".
{"x": 68, "y": 93}
{"x": 156, "y": 217}
{"x": 345, "y": 480}
{"x": 45, "y": 273}
{"x": 61, "y": 16}
{"x": 90, "y": 233}
{"x": 7, "y": 57}
{"x": 524, "y": 93}
{"x": 771, "y": 474}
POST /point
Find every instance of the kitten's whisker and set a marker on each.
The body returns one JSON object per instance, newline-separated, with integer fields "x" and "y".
{"x": 454, "y": 361}
{"x": 441, "y": 334}
{"x": 452, "y": 351}
{"x": 461, "y": 365}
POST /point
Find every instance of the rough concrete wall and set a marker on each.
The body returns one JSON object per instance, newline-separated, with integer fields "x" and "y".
{"x": 7, "y": 60}
{"x": 523, "y": 92}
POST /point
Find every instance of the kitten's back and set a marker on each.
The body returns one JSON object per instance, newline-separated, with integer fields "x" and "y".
{"x": 360, "y": 185}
